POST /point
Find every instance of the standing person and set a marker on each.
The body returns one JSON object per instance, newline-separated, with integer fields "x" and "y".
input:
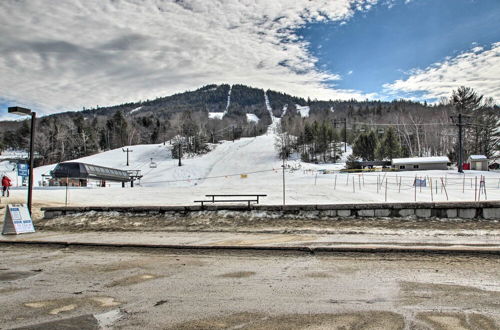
{"x": 6, "y": 183}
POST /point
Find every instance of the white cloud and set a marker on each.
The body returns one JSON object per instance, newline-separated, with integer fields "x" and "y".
{"x": 478, "y": 68}
{"x": 69, "y": 54}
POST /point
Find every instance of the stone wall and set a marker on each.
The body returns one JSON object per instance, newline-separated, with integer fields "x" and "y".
{"x": 489, "y": 210}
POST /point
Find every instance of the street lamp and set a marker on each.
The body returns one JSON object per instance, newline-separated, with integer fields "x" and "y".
{"x": 27, "y": 112}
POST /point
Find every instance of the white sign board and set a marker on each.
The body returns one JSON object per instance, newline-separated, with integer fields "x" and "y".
{"x": 17, "y": 220}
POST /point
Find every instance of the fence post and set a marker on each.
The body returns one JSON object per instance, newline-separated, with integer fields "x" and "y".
{"x": 484, "y": 185}
{"x": 475, "y": 189}
{"x": 386, "y": 190}
{"x": 445, "y": 191}
{"x": 415, "y": 184}
{"x": 430, "y": 185}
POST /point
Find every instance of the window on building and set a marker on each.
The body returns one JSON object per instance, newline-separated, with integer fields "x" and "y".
{"x": 402, "y": 167}
{"x": 415, "y": 166}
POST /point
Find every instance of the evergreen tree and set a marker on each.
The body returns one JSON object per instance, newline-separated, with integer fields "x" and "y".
{"x": 364, "y": 146}
{"x": 388, "y": 147}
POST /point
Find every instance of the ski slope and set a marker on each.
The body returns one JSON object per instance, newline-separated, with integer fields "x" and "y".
{"x": 248, "y": 165}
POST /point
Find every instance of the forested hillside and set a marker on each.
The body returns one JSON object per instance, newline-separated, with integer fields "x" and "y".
{"x": 315, "y": 129}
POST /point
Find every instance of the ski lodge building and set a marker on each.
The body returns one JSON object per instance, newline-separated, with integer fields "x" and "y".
{"x": 79, "y": 174}
{"x": 420, "y": 163}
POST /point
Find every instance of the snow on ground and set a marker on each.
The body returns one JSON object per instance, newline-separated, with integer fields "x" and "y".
{"x": 228, "y": 100}
{"x": 14, "y": 154}
{"x": 250, "y": 165}
{"x": 135, "y": 110}
{"x": 269, "y": 108}
{"x": 252, "y": 118}
{"x": 303, "y": 110}
{"x": 285, "y": 109}
{"x": 216, "y": 115}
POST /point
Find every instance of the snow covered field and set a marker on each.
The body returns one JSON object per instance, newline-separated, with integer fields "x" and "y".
{"x": 250, "y": 165}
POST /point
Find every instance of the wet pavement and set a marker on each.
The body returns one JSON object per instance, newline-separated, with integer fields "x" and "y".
{"x": 47, "y": 287}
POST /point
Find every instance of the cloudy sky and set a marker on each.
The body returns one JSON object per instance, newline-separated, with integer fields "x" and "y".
{"x": 69, "y": 54}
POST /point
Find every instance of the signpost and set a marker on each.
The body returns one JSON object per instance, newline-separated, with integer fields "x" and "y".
{"x": 23, "y": 169}
{"x": 17, "y": 220}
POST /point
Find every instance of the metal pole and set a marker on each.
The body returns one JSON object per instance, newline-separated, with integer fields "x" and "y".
{"x": 283, "y": 181}
{"x": 345, "y": 135}
{"x": 180, "y": 153}
{"x": 67, "y": 183}
{"x": 460, "y": 152}
{"x": 30, "y": 180}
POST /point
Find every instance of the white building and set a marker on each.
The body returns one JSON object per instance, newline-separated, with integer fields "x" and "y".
{"x": 478, "y": 162}
{"x": 420, "y": 163}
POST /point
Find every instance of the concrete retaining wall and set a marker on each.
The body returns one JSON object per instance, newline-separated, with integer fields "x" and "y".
{"x": 489, "y": 210}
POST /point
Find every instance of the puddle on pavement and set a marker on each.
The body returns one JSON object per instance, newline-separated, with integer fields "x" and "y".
{"x": 132, "y": 280}
{"x": 10, "y": 290}
{"x": 238, "y": 274}
{"x": 57, "y": 306}
{"x": 250, "y": 321}
{"x": 16, "y": 275}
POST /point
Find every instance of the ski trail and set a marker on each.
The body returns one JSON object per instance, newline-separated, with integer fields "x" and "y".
{"x": 274, "y": 120}
{"x": 228, "y": 100}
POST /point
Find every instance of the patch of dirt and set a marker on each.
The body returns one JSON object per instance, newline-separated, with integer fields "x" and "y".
{"x": 253, "y": 321}
{"x": 455, "y": 321}
{"x": 429, "y": 294}
{"x": 238, "y": 274}
{"x": 319, "y": 275}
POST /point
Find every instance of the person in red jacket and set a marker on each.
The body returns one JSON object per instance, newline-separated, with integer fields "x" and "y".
{"x": 6, "y": 183}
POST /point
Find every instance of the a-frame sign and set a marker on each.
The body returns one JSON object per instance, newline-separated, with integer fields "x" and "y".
{"x": 17, "y": 220}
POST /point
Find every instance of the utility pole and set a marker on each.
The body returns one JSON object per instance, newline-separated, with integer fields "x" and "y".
{"x": 180, "y": 152}
{"x": 342, "y": 121}
{"x": 127, "y": 151}
{"x": 283, "y": 179}
{"x": 345, "y": 134}
{"x": 460, "y": 123}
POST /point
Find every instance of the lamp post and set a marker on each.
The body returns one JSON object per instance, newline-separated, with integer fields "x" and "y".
{"x": 27, "y": 112}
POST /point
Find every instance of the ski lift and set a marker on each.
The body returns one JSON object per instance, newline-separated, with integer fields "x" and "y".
{"x": 380, "y": 131}
{"x": 153, "y": 164}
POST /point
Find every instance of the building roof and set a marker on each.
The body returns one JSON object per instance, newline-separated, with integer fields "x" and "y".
{"x": 420, "y": 160}
{"x": 478, "y": 157}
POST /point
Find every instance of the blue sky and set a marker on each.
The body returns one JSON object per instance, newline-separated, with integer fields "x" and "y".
{"x": 383, "y": 44}
{"x": 108, "y": 52}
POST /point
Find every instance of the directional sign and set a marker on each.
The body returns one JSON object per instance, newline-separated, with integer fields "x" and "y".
{"x": 23, "y": 169}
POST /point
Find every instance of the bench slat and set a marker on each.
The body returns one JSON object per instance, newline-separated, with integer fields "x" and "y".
{"x": 227, "y": 200}
{"x": 242, "y": 195}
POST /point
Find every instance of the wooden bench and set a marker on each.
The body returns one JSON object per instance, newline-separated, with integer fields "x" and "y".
{"x": 221, "y": 198}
